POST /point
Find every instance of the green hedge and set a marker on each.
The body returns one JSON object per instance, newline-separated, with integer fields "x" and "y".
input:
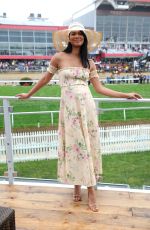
{"x": 23, "y": 81}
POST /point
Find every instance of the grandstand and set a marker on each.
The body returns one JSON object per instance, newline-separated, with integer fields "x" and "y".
{"x": 125, "y": 25}
{"x": 26, "y": 40}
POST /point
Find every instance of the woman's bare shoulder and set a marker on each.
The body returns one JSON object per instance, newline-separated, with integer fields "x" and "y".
{"x": 58, "y": 56}
{"x": 56, "y": 59}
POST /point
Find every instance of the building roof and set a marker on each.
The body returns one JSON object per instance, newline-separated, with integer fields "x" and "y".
{"x": 26, "y": 21}
{"x": 31, "y": 27}
{"x": 124, "y": 5}
{"x": 137, "y": 1}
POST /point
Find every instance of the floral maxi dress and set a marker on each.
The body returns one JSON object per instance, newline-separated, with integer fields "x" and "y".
{"x": 79, "y": 157}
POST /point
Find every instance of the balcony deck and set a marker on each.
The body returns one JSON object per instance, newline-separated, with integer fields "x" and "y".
{"x": 50, "y": 207}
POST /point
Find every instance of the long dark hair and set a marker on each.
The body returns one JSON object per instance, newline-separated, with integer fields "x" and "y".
{"x": 83, "y": 51}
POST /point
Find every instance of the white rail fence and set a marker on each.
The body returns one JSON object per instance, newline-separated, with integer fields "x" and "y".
{"x": 10, "y": 145}
{"x": 55, "y": 81}
{"x": 52, "y": 113}
{"x": 43, "y": 144}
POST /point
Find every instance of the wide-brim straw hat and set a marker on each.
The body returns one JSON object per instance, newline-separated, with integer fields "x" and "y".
{"x": 61, "y": 37}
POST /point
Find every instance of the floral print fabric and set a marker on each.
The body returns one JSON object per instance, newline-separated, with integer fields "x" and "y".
{"x": 79, "y": 158}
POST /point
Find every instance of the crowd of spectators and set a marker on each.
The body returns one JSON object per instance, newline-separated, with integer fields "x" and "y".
{"x": 23, "y": 66}
{"x": 114, "y": 67}
{"x": 118, "y": 70}
{"x": 105, "y": 65}
{"x": 137, "y": 77}
{"x": 126, "y": 65}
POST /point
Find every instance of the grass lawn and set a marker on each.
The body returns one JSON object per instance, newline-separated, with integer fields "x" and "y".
{"x": 23, "y": 121}
{"x": 132, "y": 169}
{"x": 129, "y": 168}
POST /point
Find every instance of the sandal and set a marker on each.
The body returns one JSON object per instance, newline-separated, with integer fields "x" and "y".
{"x": 92, "y": 202}
{"x": 76, "y": 197}
{"x": 93, "y": 207}
{"x": 77, "y": 193}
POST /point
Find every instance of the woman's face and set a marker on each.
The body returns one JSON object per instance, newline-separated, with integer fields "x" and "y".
{"x": 76, "y": 38}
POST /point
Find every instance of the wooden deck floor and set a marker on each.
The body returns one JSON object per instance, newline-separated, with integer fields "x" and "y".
{"x": 52, "y": 208}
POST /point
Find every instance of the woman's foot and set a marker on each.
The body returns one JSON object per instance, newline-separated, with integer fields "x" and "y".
{"x": 77, "y": 193}
{"x": 92, "y": 199}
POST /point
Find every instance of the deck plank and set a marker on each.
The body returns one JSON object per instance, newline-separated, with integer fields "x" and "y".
{"x": 52, "y": 208}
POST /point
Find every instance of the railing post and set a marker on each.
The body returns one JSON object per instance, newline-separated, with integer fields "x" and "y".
{"x": 12, "y": 120}
{"x": 52, "y": 118}
{"x": 124, "y": 114}
{"x": 97, "y": 106}
{"x": 8, "y": 140}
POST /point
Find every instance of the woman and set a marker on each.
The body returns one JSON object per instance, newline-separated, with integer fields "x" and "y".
{"x": 79, "y": 150}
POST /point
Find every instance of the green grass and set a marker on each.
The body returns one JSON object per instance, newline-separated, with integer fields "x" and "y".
{"x": 129, "y": 168}
{"x": 132, "y": 169}
{"x": 54, "y": 90}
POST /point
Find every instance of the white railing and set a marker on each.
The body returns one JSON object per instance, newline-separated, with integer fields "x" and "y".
{"x": 17, "y": 82}
{"x": 8, "y": 140}
{"x": 39, "y": 145}
{"x": 31, "y": 146}
{"x": 127, "y": 80}
{"x": 51, "y": 113}
{"x": 123, "y": 139}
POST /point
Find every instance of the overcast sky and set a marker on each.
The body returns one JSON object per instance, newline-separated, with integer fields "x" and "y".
{"x": 56, "y": 10}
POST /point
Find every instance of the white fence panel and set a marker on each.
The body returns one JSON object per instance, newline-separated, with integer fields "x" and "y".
{"x": 2, "y": 149}
{"x": 122, "y": 139}
{"x": 31, "y": 146}
{"x": 43, "y": 144}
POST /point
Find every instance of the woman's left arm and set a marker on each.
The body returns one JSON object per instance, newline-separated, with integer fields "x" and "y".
{"x": 99, "y": 88}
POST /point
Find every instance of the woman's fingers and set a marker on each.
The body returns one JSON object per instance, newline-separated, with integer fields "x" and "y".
{"x": 134, "y": 96}
{"x": 138, "y": 96}
{"x": 22, "y": 96}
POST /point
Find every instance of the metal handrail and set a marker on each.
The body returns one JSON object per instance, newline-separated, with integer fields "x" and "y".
{"x": 7, "y": 121}
{"x": 95, "y": 98}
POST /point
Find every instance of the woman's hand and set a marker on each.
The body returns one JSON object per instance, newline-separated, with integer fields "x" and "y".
{"x": 134, "y": 96}
{"x": 23, "y": 96}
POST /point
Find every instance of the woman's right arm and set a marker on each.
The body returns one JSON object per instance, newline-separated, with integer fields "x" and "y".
{"x": 43, "y": 81}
